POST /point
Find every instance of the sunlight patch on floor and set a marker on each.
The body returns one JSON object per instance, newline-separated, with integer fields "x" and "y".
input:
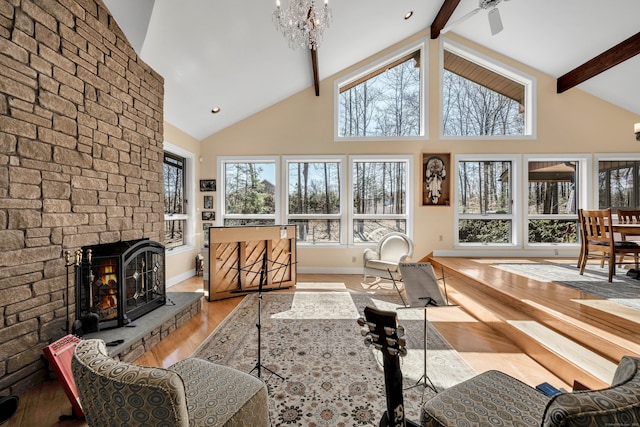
{"x": 320, "y": 305}
{"x": 611, "y": 306}
{"x": 319, "y": 285}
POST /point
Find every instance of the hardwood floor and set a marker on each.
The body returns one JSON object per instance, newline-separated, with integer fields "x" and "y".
{"x": 479, "y": 344}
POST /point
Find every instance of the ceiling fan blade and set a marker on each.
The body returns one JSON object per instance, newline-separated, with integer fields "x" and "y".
{"x": 494, "y": 21}
{"x": 459, "y": 20}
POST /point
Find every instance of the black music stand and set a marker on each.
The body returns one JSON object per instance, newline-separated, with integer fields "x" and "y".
{"x": 259, "y": 366}
{"x": 423, "y": 290}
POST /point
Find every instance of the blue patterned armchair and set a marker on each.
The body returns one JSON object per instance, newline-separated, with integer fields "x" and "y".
{"x": 193, "y": 392}
{"x": 496, "y": 399}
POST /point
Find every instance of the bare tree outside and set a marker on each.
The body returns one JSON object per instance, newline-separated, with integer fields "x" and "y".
{"x": 379, "y": 195}
{"x": 470, "y": 109}
{"x": 314, "y": 201}
{"x": 173, "y": 200}
{"x": 387, "y": 103}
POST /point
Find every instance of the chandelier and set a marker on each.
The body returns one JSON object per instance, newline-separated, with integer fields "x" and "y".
{"x": 301, "y": 24}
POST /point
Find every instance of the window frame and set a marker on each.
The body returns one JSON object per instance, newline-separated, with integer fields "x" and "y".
{"x": 221, "y": 187}
{"x": 189, "y": 176}
{"x": 583, "y": 162}
{"x": 528, "y": 81}
{"x": 598, "y": 157}
{"x": 341, "y": 160}
{"x": 374, "y": 66}
{"x": 516, "y": 202}
{"x": 409, "y": 216}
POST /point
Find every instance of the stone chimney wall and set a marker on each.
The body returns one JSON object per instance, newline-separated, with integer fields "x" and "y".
{"x": 81, "y": 132}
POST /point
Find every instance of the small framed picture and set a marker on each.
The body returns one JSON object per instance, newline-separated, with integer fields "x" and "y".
{"x": 207, "y": 185}
{"x": 206, "y": 225}
{"x": 208, "y": 202}
{"x": 208, "y": 215}
{"x": 436, "y": 177}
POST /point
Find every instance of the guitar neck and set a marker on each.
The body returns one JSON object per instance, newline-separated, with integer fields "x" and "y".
{"x": 393, "y": 389}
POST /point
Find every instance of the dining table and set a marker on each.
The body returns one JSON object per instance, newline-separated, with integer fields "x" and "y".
{"x": 626, "y": 230}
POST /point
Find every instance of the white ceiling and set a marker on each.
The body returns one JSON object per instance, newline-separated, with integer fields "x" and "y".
{"x": 228, "y": 54}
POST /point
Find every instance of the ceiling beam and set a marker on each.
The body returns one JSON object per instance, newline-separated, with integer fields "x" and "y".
{"x": 314, "y": 64}
{"x": 610, "y": 58}
{"x": 441, "y": 19}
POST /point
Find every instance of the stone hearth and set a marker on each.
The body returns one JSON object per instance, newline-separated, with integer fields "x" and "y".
{"x": 152, "y": 327}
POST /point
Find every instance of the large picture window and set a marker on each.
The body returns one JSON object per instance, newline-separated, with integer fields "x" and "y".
{"x": 314, "y": 199}
{"x": 618, "y": 181}
{"x": 381, "y": 202}
{"x": 481, "y": 98}
{"x": 385, "y": 100}
{"x": 553, "y": 198}
{"x": 249, "y": 191}
{"x": 484, "y": 200}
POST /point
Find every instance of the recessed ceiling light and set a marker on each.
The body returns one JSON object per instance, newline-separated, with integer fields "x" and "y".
{"x": 215, "y": 110}
{"x": 408, "y": 14}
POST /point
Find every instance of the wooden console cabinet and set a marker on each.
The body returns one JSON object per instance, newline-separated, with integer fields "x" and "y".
{"x": 237, "y": 254}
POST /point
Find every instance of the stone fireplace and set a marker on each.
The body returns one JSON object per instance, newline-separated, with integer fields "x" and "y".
{"x": 81, "y": 149}
{"x": 117, "y": 283}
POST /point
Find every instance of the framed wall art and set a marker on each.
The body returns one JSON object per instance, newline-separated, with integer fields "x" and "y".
{"x": 207, "y": 185}
{"x": 208, "y": 215}
{"x": 208, "y": 202}
{"x": 436, "y": 179}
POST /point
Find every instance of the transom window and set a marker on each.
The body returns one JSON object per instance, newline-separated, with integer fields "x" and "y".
{"x": 385, "y": 100}
{"x": 482, "y": 98}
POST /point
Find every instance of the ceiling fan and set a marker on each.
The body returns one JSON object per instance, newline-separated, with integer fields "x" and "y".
{"x": 495, "y": 22}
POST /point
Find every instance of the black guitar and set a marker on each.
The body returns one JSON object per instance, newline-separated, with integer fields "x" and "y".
{"x": 382, "y": 331}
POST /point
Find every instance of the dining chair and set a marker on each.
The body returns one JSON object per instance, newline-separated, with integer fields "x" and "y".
{"x": 628, "y": 216}
{"x": 599, "y": 241}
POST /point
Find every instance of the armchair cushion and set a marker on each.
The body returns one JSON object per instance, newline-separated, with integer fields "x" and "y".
{"x": 491, "y": 398}
{"x": 193, "y": 392}
{"x": 495, "y": 398}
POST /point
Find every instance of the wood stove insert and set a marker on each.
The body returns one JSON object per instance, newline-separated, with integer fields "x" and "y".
{"x": 117, "y": 283}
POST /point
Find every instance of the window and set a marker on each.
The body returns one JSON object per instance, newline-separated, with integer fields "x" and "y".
{"x": 484, "y": 200}
{"x": 179, "y": 227}
{"x": 314, "y": 199}
{"x": 381, "y": 189}
{"x": 174, "y": 203}
{"x": 249, "y": 195}
{"x": 553, "y": 193}
{"x": 481, "y": 98}
{"x": 618, "y": 183}
{"x": 384, "y": 101}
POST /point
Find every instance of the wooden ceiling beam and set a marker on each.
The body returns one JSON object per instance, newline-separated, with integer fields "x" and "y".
{"x": 314, "y": 65}
{"x": 608, "y": 59}
{"x": 441, "y": 19}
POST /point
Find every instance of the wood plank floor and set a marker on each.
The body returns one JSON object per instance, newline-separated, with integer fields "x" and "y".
{"x": 479, "y": 344}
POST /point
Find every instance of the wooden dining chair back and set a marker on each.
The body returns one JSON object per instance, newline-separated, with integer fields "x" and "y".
{"x": 628, "y": 216}
{"x": 599, "y": 242}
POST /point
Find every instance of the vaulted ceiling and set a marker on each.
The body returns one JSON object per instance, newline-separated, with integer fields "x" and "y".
{"x": 228, "y": 54}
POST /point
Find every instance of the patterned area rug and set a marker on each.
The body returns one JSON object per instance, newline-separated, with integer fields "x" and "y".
{"x": 623, "y": 290}
{"x": 313, "y": 341}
